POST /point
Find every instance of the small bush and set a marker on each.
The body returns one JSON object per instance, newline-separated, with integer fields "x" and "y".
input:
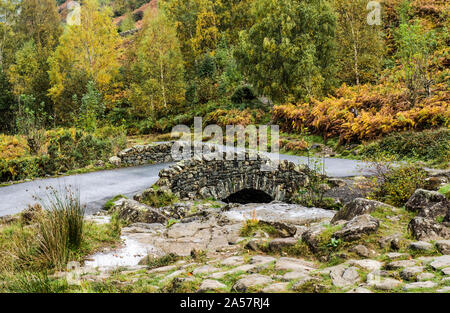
{"x": 398, "y": 184}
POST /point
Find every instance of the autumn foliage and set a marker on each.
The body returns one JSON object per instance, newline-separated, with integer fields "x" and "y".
{"x": 364, "y": 113}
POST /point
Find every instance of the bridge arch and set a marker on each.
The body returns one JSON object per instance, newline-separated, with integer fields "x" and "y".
{"x": 221, "y": 177}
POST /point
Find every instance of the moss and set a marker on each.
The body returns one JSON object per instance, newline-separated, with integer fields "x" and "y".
{"x": 445, "y": 190}
{"x": 110, "y": 203}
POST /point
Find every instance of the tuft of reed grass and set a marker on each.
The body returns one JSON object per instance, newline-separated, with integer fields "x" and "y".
{"x": 60, "y": 226}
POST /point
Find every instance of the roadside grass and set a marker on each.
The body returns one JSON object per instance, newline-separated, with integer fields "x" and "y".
{"x": 31, "y": 252}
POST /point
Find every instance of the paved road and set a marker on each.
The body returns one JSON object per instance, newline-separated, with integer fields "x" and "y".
{"x": 98, "y": 187}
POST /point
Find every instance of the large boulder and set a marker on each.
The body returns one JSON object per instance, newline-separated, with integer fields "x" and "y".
{"x": 357, "y": 227}
{"x": 429, "y": 204}
{"x": 358, "y": 206}
{"x": 428, "y": 229}
{"x": 134, "y": 212}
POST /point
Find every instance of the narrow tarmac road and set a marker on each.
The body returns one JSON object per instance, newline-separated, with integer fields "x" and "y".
{"x": 98, "y": 187}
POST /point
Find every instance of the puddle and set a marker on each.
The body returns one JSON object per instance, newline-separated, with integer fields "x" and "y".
{"x": 129, "y": 255}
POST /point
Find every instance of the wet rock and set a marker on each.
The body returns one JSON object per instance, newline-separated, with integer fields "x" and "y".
{"x": 358, "y": 207}
{"x": 425, "y": 276}
{"x": 369, "y": 265}
{"x": 443, "y": 246}
{"x": 429, "y": 204}
{"x": 397, "y": 255}
{"x": 440, "y": 262}
{"x": 363, "y": 251}
{"x": 410, "y": 273}
{"x": 428, "y": 229}
{"x": 292, "y": 215}
{"x": 206, "y": 269}
{"x": 233, "y": 261}
{"x": 358, "y": 226}
{"x": 276, "y": 288}
{"x": 421, "y": 246}
{"x": 382, "y": 283}
{"x": 251, "y": 281}
{"x": 211, "y": 285}
{"x": 292, "y": 264}
{"x": 293, "y": 276}
{"x": 444, "y": 290}
{"x": 400, "y": 264}
{"x": 181, "y": 230}
{"x": 262, "y": 259}
{"x": 132, "y": 211}
{"x": 419, "y": 285}
{"x": 279, "y": 244}
{"x": 342, "y": 276}
{"x": 360, "y": 290}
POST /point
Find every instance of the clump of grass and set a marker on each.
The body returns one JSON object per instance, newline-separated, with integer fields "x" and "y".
{"x": 61, "y": 226}
{"x": 157, "y": 198}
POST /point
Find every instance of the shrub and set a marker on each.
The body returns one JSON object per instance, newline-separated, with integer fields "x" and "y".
{"x": 364, "y": 113}
{"x": 12, "y": 147}
{"x": 397, "y": 185}
{"x": 243, "y": 94}
{"x": 429, "y": 145}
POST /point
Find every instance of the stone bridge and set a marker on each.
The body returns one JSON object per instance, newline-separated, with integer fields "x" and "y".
{"x": 230, "y": 179}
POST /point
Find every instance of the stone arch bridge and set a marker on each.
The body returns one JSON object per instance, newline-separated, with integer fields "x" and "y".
{"x": 216, "y": 176}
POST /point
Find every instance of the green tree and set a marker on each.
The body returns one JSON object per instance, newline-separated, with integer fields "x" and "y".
{"x": 289, "y": 53}
{"x": 39, "y": 21}
{"x": 414, "y": 49}
{"x": 89, "y": 51}
{"x": 158, "y": 71}
{"x": 8, "y": 43}
{"x": 91, "y": 108}
{"x": 7, "y": 104}
{"x": 360, "y": 45}
{"x": 24, "y": 73}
